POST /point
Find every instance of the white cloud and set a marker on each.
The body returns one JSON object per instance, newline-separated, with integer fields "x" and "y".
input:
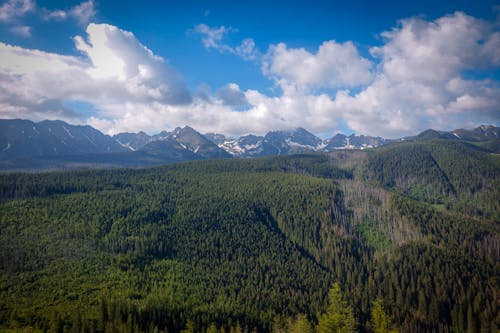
{"x": 334, "y": 65}
{"x": 36, "y": 84}
{"x": 13, "y": 9}
{"x": 420, "y": 83}
{"x": 83, "y": 13}
{"x": 247, "y": 50}
{"x": 213, "y": 38}
{"x": 30, "y": 78}
{"x": 415, "y": 81}
{"x": 116, "y": 54}
{"x": 231, "y": 94}
{"x": 435, "y": 51}
{"x": 58, "y": 15}
{"x": 23, "y": 31}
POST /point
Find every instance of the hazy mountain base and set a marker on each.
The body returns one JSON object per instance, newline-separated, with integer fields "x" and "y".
{"x": 248, "y": 243}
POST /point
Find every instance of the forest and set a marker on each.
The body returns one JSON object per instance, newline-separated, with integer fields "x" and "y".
{"x": 401, "y": 238}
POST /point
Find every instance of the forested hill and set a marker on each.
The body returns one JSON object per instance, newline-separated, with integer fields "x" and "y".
{"x": 404, "y": 237}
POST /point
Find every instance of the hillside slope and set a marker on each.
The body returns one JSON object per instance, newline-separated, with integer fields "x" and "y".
{"x": 250, "y": 244}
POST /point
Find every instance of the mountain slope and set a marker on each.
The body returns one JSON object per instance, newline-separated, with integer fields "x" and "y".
{"x": 481, "y": 133}
{"x": 57, "y": 145}
{"x": 170, "y": 149}
{"x": 295, "y": 141}
{"x": 454, "y": 173}
{"x": 52, "y": 138}
{"x": 164, "y": 248}
{"x": 193, "y": 141}
{"x": 133, "y": 141}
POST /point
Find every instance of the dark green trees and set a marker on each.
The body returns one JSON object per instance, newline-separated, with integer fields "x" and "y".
{"x": 242, "y": 245}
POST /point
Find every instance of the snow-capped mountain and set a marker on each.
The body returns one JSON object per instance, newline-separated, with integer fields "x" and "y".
{"x": 341, "y": 141}
{"x": 247, "y": 146}
{"x": 290, "y": 142}
{"x": 184, "y": 143}
{"x": 133, "y": 141}
{"x": 52, "y": 144}
{"x": 195, "y": 142}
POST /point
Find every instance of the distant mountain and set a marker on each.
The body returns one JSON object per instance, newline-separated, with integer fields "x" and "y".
{"x": 52, "y": 138}
{"x": 56, "y": 144}
{"x": 133, "y": 141}
{"x": 195, "y": 142}
{"x": 481, "y": 133}
{"x": 290, "y": 142}
{"x": 432, "y": 134}
{"x": 286, "y": 142}
{"x": 174, "y": 142}
{"x": 478, "y": 134}
{"x": 160, "y": 136}
{"x": 244, "y": 146}
{"x": 340, "y": 141}
{"x": 170, "y": 149}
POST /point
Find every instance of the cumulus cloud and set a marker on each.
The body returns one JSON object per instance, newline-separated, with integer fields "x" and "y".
{"x": 83, "y": 12}
{"x": 114, "y": 69}
{"x": 231, "y": 94}
{"x": 117, "y": 54}
{"x": 334, "y": 65}
{"x": 420, "y": 81}
{"x": 425, "y": 74}
{"x": 13, "y": 9}
{"x": 435, "y": 51}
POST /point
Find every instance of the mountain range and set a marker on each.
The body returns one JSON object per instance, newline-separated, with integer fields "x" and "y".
{"x": 57, "y": 144}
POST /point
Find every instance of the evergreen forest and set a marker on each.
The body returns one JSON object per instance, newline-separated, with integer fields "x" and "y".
{"x": 401, "y": 238}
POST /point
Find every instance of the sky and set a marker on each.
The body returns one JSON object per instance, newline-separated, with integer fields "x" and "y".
{"x": 381, "y": 68}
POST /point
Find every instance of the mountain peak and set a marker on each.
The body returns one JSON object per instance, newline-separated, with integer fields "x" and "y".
{"x": 26, "y": 139}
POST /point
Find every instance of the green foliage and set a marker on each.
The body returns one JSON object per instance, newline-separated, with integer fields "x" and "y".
{"x": 301, "y": 325}
{"x": 373, "y": 236}
{"x": 380, "y": 320}
{"x": 231, "y": 245}
{"x": 460, "y": 175}
{"x": 339, "y": 316}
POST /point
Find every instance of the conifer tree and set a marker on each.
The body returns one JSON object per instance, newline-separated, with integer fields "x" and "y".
{"x": 339, "y": 316}
{"x": 380, "y": 320}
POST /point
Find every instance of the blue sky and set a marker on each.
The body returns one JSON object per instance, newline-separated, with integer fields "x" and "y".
{"x": 387, "y": 68}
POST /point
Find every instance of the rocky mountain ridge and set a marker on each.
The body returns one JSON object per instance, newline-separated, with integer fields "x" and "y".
{"x": 21, "y": 141}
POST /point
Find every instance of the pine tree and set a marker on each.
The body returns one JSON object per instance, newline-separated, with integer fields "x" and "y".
{"x": 301, "y": 325}
{"x": 380, "y": 321}
{"x": 339, "y": 317}
{"x": 189, "y": 327}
